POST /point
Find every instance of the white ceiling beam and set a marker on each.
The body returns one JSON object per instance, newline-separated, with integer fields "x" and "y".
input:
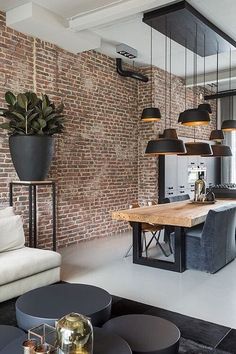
{"x": 112, "y": 13}
{"x": 39, "y": 22}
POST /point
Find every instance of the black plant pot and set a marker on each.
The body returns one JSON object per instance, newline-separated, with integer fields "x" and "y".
{"x": 31, "y": 156}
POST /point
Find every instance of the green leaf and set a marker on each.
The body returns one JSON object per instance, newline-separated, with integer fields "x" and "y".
{"x": 48, "y": 110}
{"x": 44, "y": 103}
{"x": 42, "y": 123}
{"x": 33, "y": 98}
{"x": 5, "y": 126}
{"x": 32, "y": 116}
{"x": 52, "y": 116}
{"x": 22, "y": 101}
{"x": 10, "y": 98}
{"x": 47, "y": 100}
{"x": 18, "y": 115}
{"x": 35, "y": 125}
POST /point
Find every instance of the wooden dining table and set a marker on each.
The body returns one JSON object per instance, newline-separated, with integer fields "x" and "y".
{"x": 181, "y": 215}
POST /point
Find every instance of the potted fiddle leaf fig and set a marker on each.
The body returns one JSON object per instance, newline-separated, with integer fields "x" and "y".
{"x": 31, "y": 122}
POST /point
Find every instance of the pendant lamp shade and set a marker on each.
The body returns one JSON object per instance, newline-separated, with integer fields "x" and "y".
{"x": 205, "y": 107}
{"x": 164, "y": 146}
{"x": 217, "y": 135}
{"x": 151, "y": 114}
{"x": 229, "y": 125}
{"x": 220, "y": 150}
{"x": 194, "y": 117}
{"x": 170, "y": 133}
{"x": 198, "y": 148}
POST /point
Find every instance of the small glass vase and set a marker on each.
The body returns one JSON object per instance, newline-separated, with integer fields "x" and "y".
{"x": 74, "y": 334}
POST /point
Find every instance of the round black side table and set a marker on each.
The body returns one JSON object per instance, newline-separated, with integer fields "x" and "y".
{"x": 9, "y": 334}
{"x": 109, "y": 343}
{"x": 49, "y": 303}
{"x": 146, "y": 334}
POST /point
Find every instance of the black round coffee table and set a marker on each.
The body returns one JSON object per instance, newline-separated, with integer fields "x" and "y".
{"x": 109, "y": 343}
{"x": 104, "y": 343}
{"x": 9, "y": 334}
{"x": 146, "y": 334}
{"x": 49, "y": 303}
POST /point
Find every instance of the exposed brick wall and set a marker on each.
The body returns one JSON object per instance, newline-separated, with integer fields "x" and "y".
{"x": 96, "y": 158}
{"x": 99, "y": 164}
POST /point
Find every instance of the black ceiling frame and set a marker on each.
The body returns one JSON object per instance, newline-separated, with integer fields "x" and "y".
{"x": 183, "y": 17}
{"x": 221, "y": 94}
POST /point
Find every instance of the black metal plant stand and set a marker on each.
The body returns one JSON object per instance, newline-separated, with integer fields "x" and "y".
{"x": 32, "y": 190}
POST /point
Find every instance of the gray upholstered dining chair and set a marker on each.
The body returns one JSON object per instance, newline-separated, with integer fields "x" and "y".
{"x": 211, "y": 245}
{"x": 176, "y": 198}
{"x": 170, "y": 229}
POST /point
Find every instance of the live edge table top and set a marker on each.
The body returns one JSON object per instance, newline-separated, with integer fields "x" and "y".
{"x": 184, "y": 213}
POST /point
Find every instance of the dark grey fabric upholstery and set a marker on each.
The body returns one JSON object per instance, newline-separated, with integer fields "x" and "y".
{"x": 210, "y": 246}
{"x": 176, "y": 198}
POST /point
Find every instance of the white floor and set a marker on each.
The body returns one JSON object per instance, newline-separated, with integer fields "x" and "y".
{"x": 100, "y": 262}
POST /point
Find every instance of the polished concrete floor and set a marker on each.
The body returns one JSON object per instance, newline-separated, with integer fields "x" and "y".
{"x": 101, "y": 262}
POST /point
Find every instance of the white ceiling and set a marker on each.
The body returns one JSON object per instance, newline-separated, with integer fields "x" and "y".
{"x": 120, "y": 21}
{"x": 64, "y": 8}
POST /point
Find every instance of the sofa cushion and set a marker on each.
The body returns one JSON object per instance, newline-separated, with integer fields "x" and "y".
{"x": 24, "y": 262}
{"x": 6, "y": 212}
{"x": 11, "y": 233}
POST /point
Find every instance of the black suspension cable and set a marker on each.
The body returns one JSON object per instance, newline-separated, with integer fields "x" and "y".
{"x": 185, "y": 91}
{"x": 217, "y": 78}
{"x": 170, "y": 83}
{"x": 151, "y": 68}
{"x": 204, "y": 64}
{"x": 165, "y": 70}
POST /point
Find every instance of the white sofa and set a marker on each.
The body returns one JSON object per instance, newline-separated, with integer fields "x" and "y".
{"x": 23, "y": 268}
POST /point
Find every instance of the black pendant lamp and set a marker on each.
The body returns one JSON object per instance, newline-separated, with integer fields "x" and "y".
{"x": 194, "y": 117}
{"x": 151, "y": 114}
{"x": 198, "y": 148}
{"x": 220, "y": 150}
{"x": 164, "y": 146}
{"x": 217, "y": 135}
{"x": 229, "y": 125}
{"x": 205, "y": 106}
{"x": 168, "y": 144}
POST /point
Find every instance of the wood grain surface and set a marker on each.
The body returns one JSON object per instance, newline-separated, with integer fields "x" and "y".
{"x": 183, "y": 213}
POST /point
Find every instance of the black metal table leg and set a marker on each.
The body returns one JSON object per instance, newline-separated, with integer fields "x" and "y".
{"x": 179, "y": 257}
{"x": 30, "y": 216}
{"x": 54, "y": 231}
{"x": 137, "y": 241}
{"x": 180, "y": 249}
{"x": 11, "y": 194}
{"x": 35, "y": 215}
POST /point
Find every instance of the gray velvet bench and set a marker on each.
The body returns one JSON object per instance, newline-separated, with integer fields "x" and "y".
{"x": 146, "y": 334}
{"x": 49, "y": 303}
